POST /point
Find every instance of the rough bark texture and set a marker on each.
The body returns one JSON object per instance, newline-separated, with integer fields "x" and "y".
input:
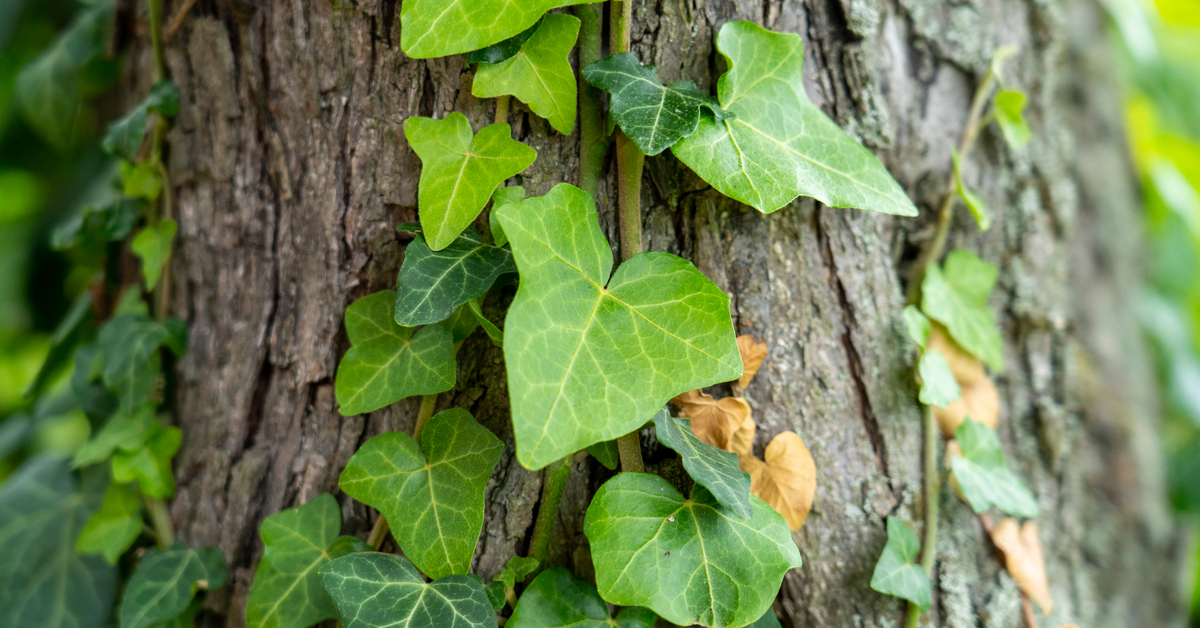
{"x": 290, "y": 170}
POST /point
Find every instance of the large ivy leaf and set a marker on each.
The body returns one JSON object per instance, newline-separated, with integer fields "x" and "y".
{"x": 433, "y": 283}
{"x": 539, "y": 74}
{"x": 439, "y": 28}
{"x": 938, "y": 386}
{"x": 388, "y": 362}
{"x": 287, "y": 591}
{"x": 555, "y": 599}
{"x": 132, "y": 363}
{"x": 43, "y": 582}
{"x": 713, "y": 468}
{"x": 165, "y": 582}
{"x": 125, "y": 136}
{"x": 781, "y": 145}
{"x": 459, "y": 171}
{"x": 956, "y": 296}
{"x": 152, "y": 245}
{"x": 898, "y": 573}
{"x": 432, "y": 494}
{"x": 112, "y": 529}
{"x": 654, "y": 116}
{"x": 375, "y": 590}
{"x": 589, "y": 362}
{"x": 689, "y": 560}
{"x": 982, "y": 475}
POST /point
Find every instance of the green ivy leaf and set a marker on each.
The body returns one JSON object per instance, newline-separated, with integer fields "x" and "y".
{"x": 42, "y": 583}
{"x": 432, "y": 494}
{"x": 152, "y": 245}
{"x": 898, "y": 573}
{"x": 502, "y": 197}
{"x": 712, "y": 468}
{"x": 150, "y": 464}
{"x": 555, "y": 599}
{"x": 956, "y": 297}
{"x": 375, "y": 590}
{"x": 607, "y": 453}
{"x": 503, "y": 50}
{"x": 974, "y": 203}
{"x": 781, "y": 145}
{"x": 459, "y": 171}
{"x": 127, "y": 430}
{"x": 983, "y": 477}
{"x": 489, "y": 327}
{"x": 142, "y": 180}
{"x": 287, "y": 591}
{"x": 691, "y": 561}
{"x": 165, "y": 583}
{"x": 1009, "y": 107}
{"x": 540, "y": 74}
{"x": 130, "y": 344}
{"x": 90, "y": 395}
{"x": 522, "y": 566}
{"x": 112, "y": 529}
{"x": 588, "y": 362}
{"x": 433, "y": 283}
{"x": 768, "y": 620}
{"x": 654, "y": 116}
{"x": 917, "y": 324}
{"x": 938, "y": 386}
{"x": 125, "y": 136}
{"x": 388, "y": 362}
{"x": 461, "y": 324}
{"x": 439, "y": 28}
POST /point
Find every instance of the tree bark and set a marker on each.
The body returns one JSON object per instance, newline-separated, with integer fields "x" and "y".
{"x": 290, "y": 170}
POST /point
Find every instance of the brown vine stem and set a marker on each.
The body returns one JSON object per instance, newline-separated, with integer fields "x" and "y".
{"x": 502, "y": 109}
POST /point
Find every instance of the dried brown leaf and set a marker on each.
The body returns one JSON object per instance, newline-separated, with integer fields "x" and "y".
{"x": 714, "y": 422}
{"x": 980, "y": 401}
{"x": 753, "y": 351}
{"x": 787, "y": 479}
{"x": 967, "y": 368}
{"x": 742, "y": 440}
{"x": 1023, "y": 559}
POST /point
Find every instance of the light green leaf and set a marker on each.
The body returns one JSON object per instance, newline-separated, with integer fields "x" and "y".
{"x": 125, "y": 136}
{"x": 1009, "y": 109}
{"x": 555, "y": 599}
{"x": 287, "y": 591}
{"x": 607, "y": 453}
{"x": 917, "y": 324}
{"x": 127, "y": 429}
{"x": 502, "y": 197}
{"x": 522, "y": 566}
{"x": 165, "y": 582}
{"x": 489, "y": 328}
{"x": 654, "y": 116}
{"x": 713, "y": 468}
{"x": 897, "y": 572}
{"x": 375, "y": 590}
{"x": 691, "y": 561}
{"x": 43, "y": 582}
{"x": 142, "y": 180}
{"x": 433, "y": 283}
{"x": 938, "y": 386}
{"x": 974, "y": 203}
{"x": 112, "y": 529}
{"x": 588, "y": 362}
{"x": 388, "y": 362}
{"x": 152, "y": 245}
{"x": 150, "y": 464}
{"x": 459, "y": 171}
{"x": 984, "y": 478}
{"x": 957, "y": 298}
{"x": 781, "y": 145}
{"x": 539, "y": 75}
{"x": 439, "y": 28}
{"x": 130, "y": 344}
{"x": 432, "y": 495}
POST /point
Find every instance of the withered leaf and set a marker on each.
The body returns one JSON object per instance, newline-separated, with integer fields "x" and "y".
{"x": 753, "y": 351}
{"x": 717, "y": 422}
{"x": 980, "y": 401}
{"x": 787, "y": 479}
{"x": 1023, "y": 559}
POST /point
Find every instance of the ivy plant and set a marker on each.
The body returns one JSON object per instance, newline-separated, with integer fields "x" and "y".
{"x": 898, "y": 573}
{"x": 984, "y": 478}
{"x": 955, "y": 295}
{"x": 165, "y": 581}
{"x": 439, "y": 28}
{"x": 556, "y": 599}
{"x": 432, "y": 284}
{"x": 539, "y": 73}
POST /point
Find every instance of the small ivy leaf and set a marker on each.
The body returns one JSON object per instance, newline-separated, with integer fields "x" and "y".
{"x": 938, "y": 386}
{"x": 104, "y": 215}
{"x": 572, "y": 377}
{"x": 165, "y": 582}
{"x": 375, "y": 590}
{"x": 710, "y": 467}
{"x": 440, "y": 28}
{"x": 431, "y": 494}
{"x": 388, "y": 362}
{"x": 787, "y": 480}
{"x": 957, "y": 298}
{"x": 503, "y": 50}
{"x": 489, "y": 328}
{"x": 90, "y": 395}
{"x": 979, "y": 401}
{"x": 781, "y": 145}
{"x": 753, "y": 351}
{"x": 433, "y": 283}
{"x": 982, "y": 475}
{"x": 654, "y": 116}
{"x": 689, "y": 560}
{"x": 502, "y": 197}
{"x": 726, "y": 424}
{"x": 413, "y": 228}
{"x": 142, "y": 180}
{"x": 130, "y": 344}
{"x": 768, "y": 620}
{"x": 495, "y": 594}
{"x": 150, "y": 464}
{"x": 540, "y": 74}
{"x": 459, "y": 171}
{"x": 974, "y": 203}
{"x": 522, "y": 566}
{"x": 607, "y": 453}
{"x": 127, "y": 430}
{"x": 897, "y": 572}
{"x": 556, "y": 599}
{"x": 917, "y": 324}
{"x": 1023, "y": 559}
{"x": 287, "y": 591}
{"x": 1009, "y": 107}
{"x": 125, "y": 136}
{"x": 115, "y": 526}
{"x": 152, "y": 245}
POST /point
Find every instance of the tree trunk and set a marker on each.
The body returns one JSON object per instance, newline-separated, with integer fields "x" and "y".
{"x": 291, "y": 170}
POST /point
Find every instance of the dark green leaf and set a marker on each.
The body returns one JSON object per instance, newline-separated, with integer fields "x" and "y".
{"x": 984, "y": 478}
{"x": 74, "y": 326}
{"x": 152, "y": 245}
{"x": 90, "y": 395}
{"x": 125, "y": 136}
{"x": 495, "y": 593}
{"x": 938, "y": 386}
{"x": 607, "y": 453}
{"x": 957, "y": 298}
{"x": 113, "y": 528}
{"x": 150, "y": 464}
{"x": 433, "y": 283}
{"x": 713, "y": 468}
{"x": 555, "y": 599}
{"x": 489, "y": 328}
{"x": 768, "y": 620}
{"x": 165, "y": 583}
{"x": 130, "y": 344}
{"x": 898, "y": 573}
{"x": 505, "y": 49}
{"x": 539, "y": 75}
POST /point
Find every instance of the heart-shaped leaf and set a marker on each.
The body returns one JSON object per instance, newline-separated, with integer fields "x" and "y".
{"x": 956, "y": 296}
{"x": 152, "y": 245}
{"x": 287, "y": 591}
{"x": 112, "y": 529}
{"x": 689, "y": 560}
{"x": 983, "y": 477}
{"x": 432, "y": 494}
{"x": 654, "y": 116}
{"x": 125, "y": 136}
{"x": 753, "y": 351}
{"x": 781, "y": 145}
{"x": 375, "y": 590}
{"x": 132, "y": 363}
{"x": 459, "y": 171}
{"x": 433, "y": 283}
{"x": 589, "y": 362}
{"x": 539, "y": 74}
{"x": 710, "y": 467}
{"x": 389, "y": 362}
{"x": 938, "y": 386}
{"x": 150, "y": 464}
{"x": 898, "y": 573}
{"x": 165, "y": 582}
{"x": 1023, "y": 559}
{"x": 439, "y": 28}
{"x": 555, "y": 599}
{"x": 787, "y": 480}
{"x": 917, "y": 325}
{"x": 1009, "y": 107}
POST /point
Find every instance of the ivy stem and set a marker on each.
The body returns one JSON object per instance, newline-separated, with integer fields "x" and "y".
{"x": 161, "y": 520}
{"x": 593, "y": 142}
{"x": 554, "y": 480}
{"x": 380, "y": 530}
{"x": 933, "y": 486}
{"x": 502, "y": 109}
